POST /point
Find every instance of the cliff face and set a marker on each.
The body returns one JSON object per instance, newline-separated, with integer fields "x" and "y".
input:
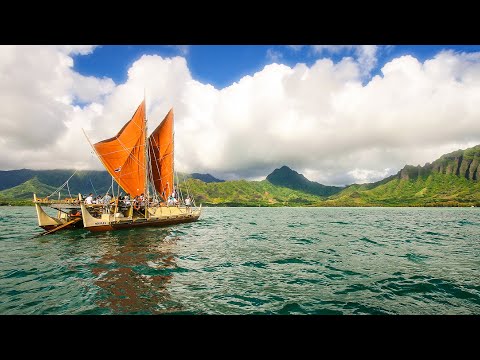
{"x": 462, "y": 163}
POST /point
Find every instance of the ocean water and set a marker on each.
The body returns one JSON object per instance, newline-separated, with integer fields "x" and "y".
{"x": 249, "y": 261}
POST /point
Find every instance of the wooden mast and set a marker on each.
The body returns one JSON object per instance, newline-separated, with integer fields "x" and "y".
{"x": 147, "y": 162}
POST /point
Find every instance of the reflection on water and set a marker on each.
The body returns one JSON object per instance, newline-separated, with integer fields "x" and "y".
{"x": 134, "y": 271}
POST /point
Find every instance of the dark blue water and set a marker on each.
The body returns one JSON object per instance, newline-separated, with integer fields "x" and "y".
{"x": 249, "y": 261}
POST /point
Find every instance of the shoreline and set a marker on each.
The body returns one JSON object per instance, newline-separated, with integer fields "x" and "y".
{"x": 306, "y": 206}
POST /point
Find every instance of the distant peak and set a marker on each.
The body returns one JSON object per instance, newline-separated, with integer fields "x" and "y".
{"x": 285, "y": 168}
{"x": 289, "y": 178}
{"x": 284, "y": 171}
{"x": 205, "y": 178}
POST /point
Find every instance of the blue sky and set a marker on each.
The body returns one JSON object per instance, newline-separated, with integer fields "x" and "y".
{"x": 222, "y": 65}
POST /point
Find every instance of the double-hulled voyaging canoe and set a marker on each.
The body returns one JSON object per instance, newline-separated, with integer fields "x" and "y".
{"x": 144, "y": 168}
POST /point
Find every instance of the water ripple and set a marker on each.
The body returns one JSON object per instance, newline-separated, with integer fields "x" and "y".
{"x": 249, "y": 261}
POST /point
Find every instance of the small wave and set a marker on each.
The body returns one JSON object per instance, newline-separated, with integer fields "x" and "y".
{"x": 416, "y": 258}
{"x": 434, "y": 233}
{"x": 325, "y": 311}
{"x": 291, "y": 309}
{"x": 301, "y": 281}
{"x": 296, "y": 225}
{"x": 370, "y": 241}
{"x": 256, "y": 264}
{"x": 361, "y": 309}
{"x": 354, "y": 288}
{"x": 247, "y": 300}
{"x": 256, "y": 237}
{"x": 301, "y": 240}
{"x": 340, "y": 274}
{"x": 466, "y": 222}
{"x": 17, "y": 274}
{"x": 291, "y": 261}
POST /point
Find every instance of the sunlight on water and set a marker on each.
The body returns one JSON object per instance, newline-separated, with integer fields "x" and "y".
{"x": 249, "y": 261}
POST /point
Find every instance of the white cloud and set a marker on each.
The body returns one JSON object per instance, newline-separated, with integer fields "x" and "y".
{"x": 182, "y": 49}
{"x": 320, "y": 120}
{"x": 365, "y": 176}
{"x": 366, "y": 54}
{"x": 76, "y": 49}
{"x": 273, "y": 55}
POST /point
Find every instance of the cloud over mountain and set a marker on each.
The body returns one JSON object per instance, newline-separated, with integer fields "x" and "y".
{"x": 324, "y": 120}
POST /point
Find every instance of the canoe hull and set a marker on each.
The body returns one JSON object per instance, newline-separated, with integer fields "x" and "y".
{"x": 147, "y": 223}
{"x": 156, "y": 217}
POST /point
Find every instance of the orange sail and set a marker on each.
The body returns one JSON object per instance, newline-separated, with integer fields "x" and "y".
{"x": 161, "y": 156}
{"x": 124, "y": 154}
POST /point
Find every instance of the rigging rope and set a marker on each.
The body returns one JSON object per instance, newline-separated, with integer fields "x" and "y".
{"x": 95, "y": 191}
{"x": 68, "y": 187}
{"x": 62, "y": 186}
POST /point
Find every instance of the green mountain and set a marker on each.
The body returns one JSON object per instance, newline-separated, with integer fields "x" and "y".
{"x": 81, "y": 182}
{"x": 462, "y": 163}
{"x": 246, "y": 193}
{"x": 26, "y": 190}
{"x": 205, "y": 178}
{"x": 434, "y": 189}
{"x": 289, "y": 178}
{"x": 451, "y": 180}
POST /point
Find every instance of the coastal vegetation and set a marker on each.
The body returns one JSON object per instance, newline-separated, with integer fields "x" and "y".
{"x": 451, "y": 180}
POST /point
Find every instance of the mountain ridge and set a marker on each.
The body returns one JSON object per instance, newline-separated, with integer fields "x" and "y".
{"x": 451, "y": 180}
{"x": 26, "y": 189}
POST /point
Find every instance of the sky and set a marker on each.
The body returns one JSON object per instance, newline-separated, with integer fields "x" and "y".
{"x": 339, "y": 114}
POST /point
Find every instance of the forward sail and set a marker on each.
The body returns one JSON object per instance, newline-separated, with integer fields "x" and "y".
{"x": 161, "y": 156}
{"x": 124, "y": 154}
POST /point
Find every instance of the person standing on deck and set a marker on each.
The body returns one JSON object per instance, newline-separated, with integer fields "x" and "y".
{"x": 141, "y": 198}
{"x": 106, "y": 199}
{"x": 89, "y": 199}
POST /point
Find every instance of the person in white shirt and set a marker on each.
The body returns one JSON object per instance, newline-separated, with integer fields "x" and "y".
{"x": 106, "y": 199}
{"x": 89, "y": 199}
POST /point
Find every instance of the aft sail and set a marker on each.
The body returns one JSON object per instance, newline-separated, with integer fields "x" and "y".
{"x": 160, "y": 144}
{"x": 124, "y": 154}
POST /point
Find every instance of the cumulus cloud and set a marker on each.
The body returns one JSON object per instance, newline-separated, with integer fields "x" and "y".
{"x": 366, "y": 54}
{"x": 322, "y": 120}
{"x": 37, "y": 89}
{"x": 76, "y": 49}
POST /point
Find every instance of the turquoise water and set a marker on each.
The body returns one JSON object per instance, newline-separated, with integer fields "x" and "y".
{"x": 249, "y": 261}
